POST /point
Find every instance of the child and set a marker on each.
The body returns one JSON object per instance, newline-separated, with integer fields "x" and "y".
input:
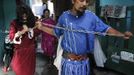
{"x": 8, "y": 53}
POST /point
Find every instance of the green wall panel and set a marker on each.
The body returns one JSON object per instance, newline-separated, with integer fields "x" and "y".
{"x": 1, "y": 16}
{"x": 9, "y": 7}
{"x": 7, "y": 14}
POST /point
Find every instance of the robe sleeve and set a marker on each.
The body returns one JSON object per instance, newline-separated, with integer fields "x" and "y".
{"x": 59, "y": 32}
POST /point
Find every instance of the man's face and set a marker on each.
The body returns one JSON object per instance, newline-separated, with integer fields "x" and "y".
{"x": 80, "y": 5}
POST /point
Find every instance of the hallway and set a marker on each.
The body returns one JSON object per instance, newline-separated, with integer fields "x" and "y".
{"x": 41, "y": 61}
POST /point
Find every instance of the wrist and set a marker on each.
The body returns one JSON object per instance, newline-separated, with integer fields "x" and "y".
{"x": 22, "y": 32}
{"x": 41, "y": 27}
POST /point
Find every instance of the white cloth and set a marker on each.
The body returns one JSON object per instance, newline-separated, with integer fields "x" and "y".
{"x": 99, "y": 56}
{"x": 17, "y": 36}
{"x": 57, "y": 61}
{"x": 113, "y": 11}
{"x": 30, "y": 33}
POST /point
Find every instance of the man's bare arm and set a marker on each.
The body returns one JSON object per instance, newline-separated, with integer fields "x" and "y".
{"x": 125, "y": 35}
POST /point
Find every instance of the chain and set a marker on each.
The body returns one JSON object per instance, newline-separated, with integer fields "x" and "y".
{"x": 74, "y": 30}
{"x": 82, "y": 31}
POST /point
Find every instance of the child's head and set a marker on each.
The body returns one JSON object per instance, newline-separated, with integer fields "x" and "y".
{"x": 7, "y": 39}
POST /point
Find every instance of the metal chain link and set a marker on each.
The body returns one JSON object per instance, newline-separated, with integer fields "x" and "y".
{"x": 74, "y": 30}
{"x": 82, "y": 31}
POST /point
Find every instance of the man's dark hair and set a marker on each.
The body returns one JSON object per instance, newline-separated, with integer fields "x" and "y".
{"x": 24, "y": 9}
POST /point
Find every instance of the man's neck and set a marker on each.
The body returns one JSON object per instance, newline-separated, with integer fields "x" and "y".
{"x": 74, "y": 12}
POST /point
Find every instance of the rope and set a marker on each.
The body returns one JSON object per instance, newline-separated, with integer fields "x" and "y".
{"x": 82, "y": 31}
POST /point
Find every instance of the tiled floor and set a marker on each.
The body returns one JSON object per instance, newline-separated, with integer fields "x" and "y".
{"x": 41, "y": 62}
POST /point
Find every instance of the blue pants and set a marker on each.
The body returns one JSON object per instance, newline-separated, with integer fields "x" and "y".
{"x": 70, "y": 67}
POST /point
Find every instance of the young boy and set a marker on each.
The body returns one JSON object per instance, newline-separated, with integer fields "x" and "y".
{"x": 8, "y": 53}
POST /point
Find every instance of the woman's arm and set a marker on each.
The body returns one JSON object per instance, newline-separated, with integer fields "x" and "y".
{"x": 45, "y": 28}
{"x": 13, "y": 31}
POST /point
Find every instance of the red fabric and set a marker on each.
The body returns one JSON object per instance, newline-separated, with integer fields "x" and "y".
{"x": 49, "y": 42}
{"x": 24, "y": 59}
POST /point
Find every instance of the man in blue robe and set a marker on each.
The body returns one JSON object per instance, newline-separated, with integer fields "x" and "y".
{"x": 78, "y": 30}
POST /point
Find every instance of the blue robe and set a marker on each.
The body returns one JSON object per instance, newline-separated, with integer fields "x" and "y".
{"x": 77, "y": 42}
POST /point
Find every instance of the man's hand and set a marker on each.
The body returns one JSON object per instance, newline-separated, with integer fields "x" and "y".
{"x": 127, "y": 35}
